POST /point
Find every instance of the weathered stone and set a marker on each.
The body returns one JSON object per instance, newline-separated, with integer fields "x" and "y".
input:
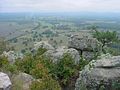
{"x": 87, "y": 55}
{"x": 103, "y": 72}
{"x": 84, "y": 43}
{"x": 57, "y": 54}
{"x": 5, "y": 83}
{"x": 86, "y": 46}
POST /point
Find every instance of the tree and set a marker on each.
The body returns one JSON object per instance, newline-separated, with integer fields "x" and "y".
{"x": 106, "y": 37}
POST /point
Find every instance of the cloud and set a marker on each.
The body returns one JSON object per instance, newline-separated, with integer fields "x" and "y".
{"x": 59, "y": 5}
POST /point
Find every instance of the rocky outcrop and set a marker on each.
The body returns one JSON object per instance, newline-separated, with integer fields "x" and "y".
{"x": 86, "y": 46}
{"x": 43, "y": 44}
{"x": 57, "y": 54}
{"x": 103, "y": 73}
{"x": 5, "y": 83}
{"x": 22, "y": 80}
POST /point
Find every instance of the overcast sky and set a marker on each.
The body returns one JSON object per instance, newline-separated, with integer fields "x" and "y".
{"x": 59, "y": 5}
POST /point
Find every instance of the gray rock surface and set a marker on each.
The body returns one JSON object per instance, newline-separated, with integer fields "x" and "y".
{"x": 85, "y": 45}
{"x": 103, "y": 72}
{"x": 57, "y": 54}
{"x": 5, "y": 83}
{"x": 88, "y": 55}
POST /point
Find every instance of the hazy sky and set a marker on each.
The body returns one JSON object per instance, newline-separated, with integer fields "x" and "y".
{"x": 59, "y": 5}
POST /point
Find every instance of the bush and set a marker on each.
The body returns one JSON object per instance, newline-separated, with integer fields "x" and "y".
{"x": 116, "y": 85}
{"x": 25, "y": 65}
{"x": 11, "y": 68}
{"x": 45, "y": 84}
{"x": 61, "y": 71}
{"x": 42, "y": 67}
{"x": 82, "y": 63}
{"x": 39, "y": 71}
{"x": 64, "y": 69}
{"x": 6, "y": 66}
{"x": 113, "y": 51}
{"x": 3, "y": 61}
{"x": 40, "y": 51}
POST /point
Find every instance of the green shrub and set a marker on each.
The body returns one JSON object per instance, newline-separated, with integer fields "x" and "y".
{"x": 45, "y": 84}
{"x": 116, "y": 85}
{"x": 113, "y": 51}
{"x": 64, "y": 69}
{"x": 11, "y": 68}
{"x": 39, "y": 71}
{"x": 82, "y": 63}
{"x": 6, "y": 66}
{"x": 3, "y": 61}
{"x": 42, "y": 67}
{"x": 25, "y": 65}
{"x": 40, "y": 51}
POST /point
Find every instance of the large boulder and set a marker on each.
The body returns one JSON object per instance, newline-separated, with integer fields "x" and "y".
{"x": 43, "y": 44}
{"x": 5, "y": 83}
{"x": 84, "y": 43}
{"x": 22, "y": 80}
{"x": 86, "y": 46}
{"x": 101, "y": 74}
{"x": 57, "y": 54}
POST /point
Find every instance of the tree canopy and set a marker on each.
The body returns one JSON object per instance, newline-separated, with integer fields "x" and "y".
{"x": 106, "y": 37}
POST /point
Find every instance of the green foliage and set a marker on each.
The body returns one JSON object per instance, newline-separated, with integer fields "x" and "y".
{"x": 25, "y": 65}
{"x": 106, "y": 37}
{"x": 64, "y": 69}
{"x": 6, "y": 66}
{"x": 3, "y": 61}
{"x": 29, "y": 62}
{"x": 82, "y": 63}
{"x": 40, "y": 51}
{"x": 61, "y": 71}
{"x": 39, "y": 71}
{"x": 45, "y": 84}
{"x": 11, "y": 68}
{"x": 113, "y": 51}
{"x": 35, "y": 66}
{"x": 116, "y": 85}
{"x": 41, "y": 67}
